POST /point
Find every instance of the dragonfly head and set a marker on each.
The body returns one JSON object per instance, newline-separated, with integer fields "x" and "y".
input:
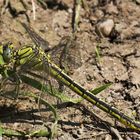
{"x": 7, "y": 52}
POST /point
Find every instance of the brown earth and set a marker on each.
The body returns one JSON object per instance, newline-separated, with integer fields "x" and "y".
{"x": 119, "y": 64}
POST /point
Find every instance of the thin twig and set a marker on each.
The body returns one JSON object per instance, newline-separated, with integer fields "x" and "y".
{"x": 116, "y": 132}
{"x": 77, "y": 13}
{"x": 34, "y": 10}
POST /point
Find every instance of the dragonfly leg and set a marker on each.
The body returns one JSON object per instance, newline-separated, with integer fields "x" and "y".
{"x": 3, "y": 87}
{"x": 15, "y": 78}
{"x": 17, "y": 88}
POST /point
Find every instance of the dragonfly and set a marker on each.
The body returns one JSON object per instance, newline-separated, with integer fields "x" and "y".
{"x": 26, "y": 57}
{"x": 34, "y": 58}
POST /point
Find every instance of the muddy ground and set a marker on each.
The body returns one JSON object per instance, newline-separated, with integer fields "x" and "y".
{"x": 119, "y": 63}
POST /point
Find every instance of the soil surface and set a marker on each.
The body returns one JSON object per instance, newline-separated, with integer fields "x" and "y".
{"x": 118, "y": 62}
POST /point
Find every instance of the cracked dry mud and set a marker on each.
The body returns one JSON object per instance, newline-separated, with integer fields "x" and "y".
{"x": 119, "y": 64}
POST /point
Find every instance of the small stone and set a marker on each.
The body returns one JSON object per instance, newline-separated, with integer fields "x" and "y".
{"x": 97, "y": 14}
{"x": 109, "y": 99}
{"x": 108, "y": 137}
{"x": 138, "y": 1}
{"x": 95, "y": 2}
{"x": 70, "y": 11}
{"x": 111, "y": 9}
{"x": 104, "y": 28}
{"x": 0, "y": 77}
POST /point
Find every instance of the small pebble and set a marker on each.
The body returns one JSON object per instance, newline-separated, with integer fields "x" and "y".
{"x": 0, "y": 77}
{"x": 108, "y": 137}
{"x": 97, "y": 14}
{"x": 111, "y": 9}
{"x": 104, "y": 28}
{"x": 138, "y": 1}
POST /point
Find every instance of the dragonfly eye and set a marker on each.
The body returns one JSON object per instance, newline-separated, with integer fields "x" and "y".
{"x": 7, "y": 51}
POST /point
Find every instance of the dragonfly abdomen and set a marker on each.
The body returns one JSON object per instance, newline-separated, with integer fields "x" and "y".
{"x": 57, "y": 73}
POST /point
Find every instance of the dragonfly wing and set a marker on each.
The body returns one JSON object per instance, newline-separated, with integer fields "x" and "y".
{"x": 38, "y": 40}
{"x": 67, "y": 54}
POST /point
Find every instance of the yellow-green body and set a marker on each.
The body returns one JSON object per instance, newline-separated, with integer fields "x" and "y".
{"x": 35, "y": 58}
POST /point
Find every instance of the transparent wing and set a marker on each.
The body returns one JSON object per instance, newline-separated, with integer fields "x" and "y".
{"x": 67, "y": 54}
{"x": 39, "y": 41}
